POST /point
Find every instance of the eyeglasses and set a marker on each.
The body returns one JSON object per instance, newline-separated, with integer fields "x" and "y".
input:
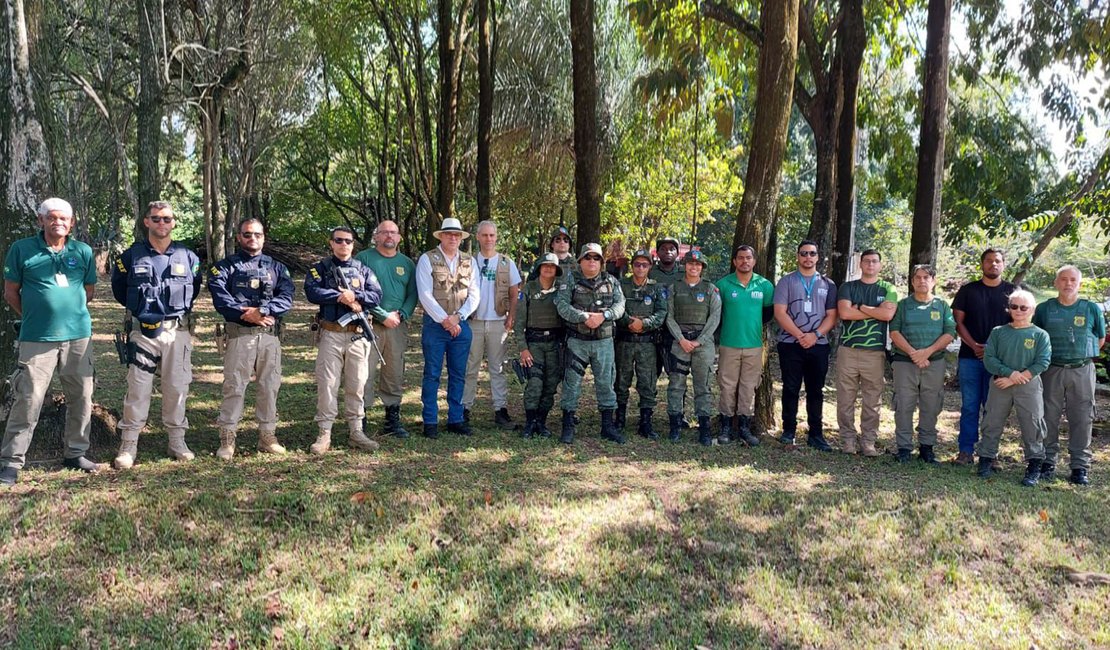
{"x": 641, "y": 265}
{"x": 807, "y": 253}
{"x": 161, "y": 219}
{"x": 591, "y": 258}
{"x": 343, "y": 240}
{"x": 251, "y": 235}
{"x": 1019, "y": 307}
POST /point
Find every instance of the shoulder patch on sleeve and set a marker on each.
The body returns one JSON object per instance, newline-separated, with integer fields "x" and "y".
{"x": 120, "y": 266}
{"x": 215, "y": 270}
{"x": 314, "y": 273}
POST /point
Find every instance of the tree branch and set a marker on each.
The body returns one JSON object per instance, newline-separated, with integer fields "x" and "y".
{"x": 729, "y": 17}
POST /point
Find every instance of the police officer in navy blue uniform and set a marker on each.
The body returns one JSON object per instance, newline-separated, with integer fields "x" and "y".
{"x": 252, "y": 291}
{"x": 341, "y": 285}
{"x": 157, "y": 280}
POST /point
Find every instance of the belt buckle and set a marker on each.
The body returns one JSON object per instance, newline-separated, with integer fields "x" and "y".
{"x": 547, "y": 332}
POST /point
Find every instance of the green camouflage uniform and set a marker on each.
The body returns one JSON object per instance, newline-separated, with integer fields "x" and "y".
{"x": 539, "y": 330}
{"x": 636, "y": 353}
{"x": 585, "y": 347}
{"x": 692, "y": 313}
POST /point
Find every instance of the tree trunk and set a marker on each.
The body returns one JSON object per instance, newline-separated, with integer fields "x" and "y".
{"x": 930, "y": 155}
{"x": 485, "y": 109}
{"x": 763, "y": 179}
{"x": 586, "y": 157}
{"x": 850, "y": 43}
{"x": 211, "y": 155}
{"x": 25, "y": 172}
{"x": 148, "y": 121}
{"x": 449, "y": 44}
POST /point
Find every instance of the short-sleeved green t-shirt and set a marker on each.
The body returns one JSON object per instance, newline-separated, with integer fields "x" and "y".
{"x": 922, "y": 323}
{"x": 52, "y": 288}
{"x": 869, "y": 333}
{"x": 397, "y": 277}
{"x": 742, "y": 310}
{"x": 1075, "y": 330}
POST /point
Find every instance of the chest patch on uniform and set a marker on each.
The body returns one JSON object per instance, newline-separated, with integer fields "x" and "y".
{"x": 700, "y": 297}
{"x": 647, "y": 300}
{"x": 178, "y": 270}
{"x": 756, "y": 295}
{"x": 400, "y": 270}
{"x": 255, "y": 283}
{"x": 71, "y": 262}
{"x": 935, "y": 315}
{"x": 142, "y": 270}
{"x": 1080, "y": 321}
{"x": 1029, "y": 343}
{"x": 356, "y": 283}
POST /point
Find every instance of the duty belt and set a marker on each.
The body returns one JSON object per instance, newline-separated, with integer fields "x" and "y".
{"x": 235, "y": 329}
{"x": 629, "y": 337}
{"x": 1069, "y": 366}
{"x": 336, "y": 327}
{"x": 544, "y": 336}
{"x": 691, "y": 335}
{"x": 167, "y": 324}
{"x": 575, "y": 334}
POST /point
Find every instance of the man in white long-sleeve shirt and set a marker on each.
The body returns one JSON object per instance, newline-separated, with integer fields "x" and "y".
{"x": 449, "y": 295}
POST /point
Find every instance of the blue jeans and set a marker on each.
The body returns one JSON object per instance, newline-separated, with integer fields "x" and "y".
{"x": 975, "y": 383}
{"x": 437, "y": 343}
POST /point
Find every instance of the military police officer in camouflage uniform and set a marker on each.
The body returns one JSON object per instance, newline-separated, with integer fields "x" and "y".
{"x": 342, "y": 286}
{"x": 637, "y": 335}
{"x": 252, "y": 291}
{"x": 693, "y": 313}
{"x": 590, "y": 303}
{"x": 561, "y": 244}
{"x": 666, "y": 272}
{"x": 157, "y": 280}
{"x": 541, "y": 337}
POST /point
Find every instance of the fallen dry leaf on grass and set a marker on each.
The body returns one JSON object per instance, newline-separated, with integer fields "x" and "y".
{"x": 488, "y": 496}
{"x": 361, "y": 497}
{"x": 273, "y": 607}
{"x": 1084, "y": 578}
{"x": 278, "y": 633}
{"x": 1044, "y": 516}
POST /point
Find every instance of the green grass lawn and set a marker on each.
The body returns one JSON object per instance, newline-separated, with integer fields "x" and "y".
{"x": 493, "y": 541}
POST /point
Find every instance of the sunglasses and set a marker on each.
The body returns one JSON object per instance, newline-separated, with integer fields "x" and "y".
{"x": 591, "y": 258}
{"x": 251, "y": 235}
{"x": 161, "y": 219}
{"x": 807, "y": 253}
{"x": 343, "y": 240}
{"x": 1019, "y": 307}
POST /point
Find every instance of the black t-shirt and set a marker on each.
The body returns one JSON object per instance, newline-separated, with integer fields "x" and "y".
{"x": 984, "y": 309}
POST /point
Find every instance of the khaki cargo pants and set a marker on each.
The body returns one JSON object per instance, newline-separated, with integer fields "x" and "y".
{"x": 257, "y": 351}
{"x": 175, "y": 347}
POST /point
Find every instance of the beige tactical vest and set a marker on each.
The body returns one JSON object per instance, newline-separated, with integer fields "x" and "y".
{"x": 501, "y": 286}
{"x": 449, "y": 290}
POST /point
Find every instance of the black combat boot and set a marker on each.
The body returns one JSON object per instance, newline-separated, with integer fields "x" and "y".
{"x": 620, "y": 420}
{"x": 609, "y": 429}
{"x": 926, "y": 454}
{"x": 568, "y": 428}
{"x": 1048, "y": 471}
{"x": 1032, "y": 473}
{"x": 529, "y": 424}
{"x": 725, "y": 436}
{"x": 986, "y": 467}
{"x": 744, "y": 430}
{"x": 675, "y": 420}
{"x": 904, "y": 455}
{"x": 705, "y": 430}
{"x": 816, "y": 439}
{"x": 541, "y": 424}
{"x": 1079, "y": 476}
{"x": 431, "y": 431}
{"x": 393, "y": 425}
{"x": 646, "y": 429}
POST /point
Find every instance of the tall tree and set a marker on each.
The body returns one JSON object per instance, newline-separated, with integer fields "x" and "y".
{"x": 586, "y": 155}
{"x": 485, "y": 108}
{"x": 755, "y": 224}
{"x": 930, "y": 156}
{"x": 25, "y": 173}
{"x": 452, "y": 34}
{"x": 151, "y": 38}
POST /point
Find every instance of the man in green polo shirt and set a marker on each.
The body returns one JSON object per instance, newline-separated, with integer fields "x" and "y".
{"x": 747, "y": 304}
{"x": 396, "y": 274}
{"x": 1077, "y": 331}
{"x": 48, "y": 281}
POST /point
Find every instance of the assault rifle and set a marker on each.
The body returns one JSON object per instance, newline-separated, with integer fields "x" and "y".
{"x": 360, "y": 316}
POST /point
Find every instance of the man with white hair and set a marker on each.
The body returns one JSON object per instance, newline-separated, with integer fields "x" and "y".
{"x": 1076, "y": 329}
{"x": 499, "y": 285}
{"x": 48, "y": 281}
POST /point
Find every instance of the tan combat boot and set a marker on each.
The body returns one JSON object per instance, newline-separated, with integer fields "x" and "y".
{"x": 848, "y": 443}
{"x": 358, "y": 439}
{"x": 177, "y": 447}
{"x": 128, "y": 450}
{"x": 322, "y": 444}
{"x": 867, "y": 446}
{"x": 268, "y": 443}
{"x": 227, "y": 444}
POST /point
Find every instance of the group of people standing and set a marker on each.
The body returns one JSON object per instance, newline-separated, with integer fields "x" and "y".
{"x": 569, "y": 317}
